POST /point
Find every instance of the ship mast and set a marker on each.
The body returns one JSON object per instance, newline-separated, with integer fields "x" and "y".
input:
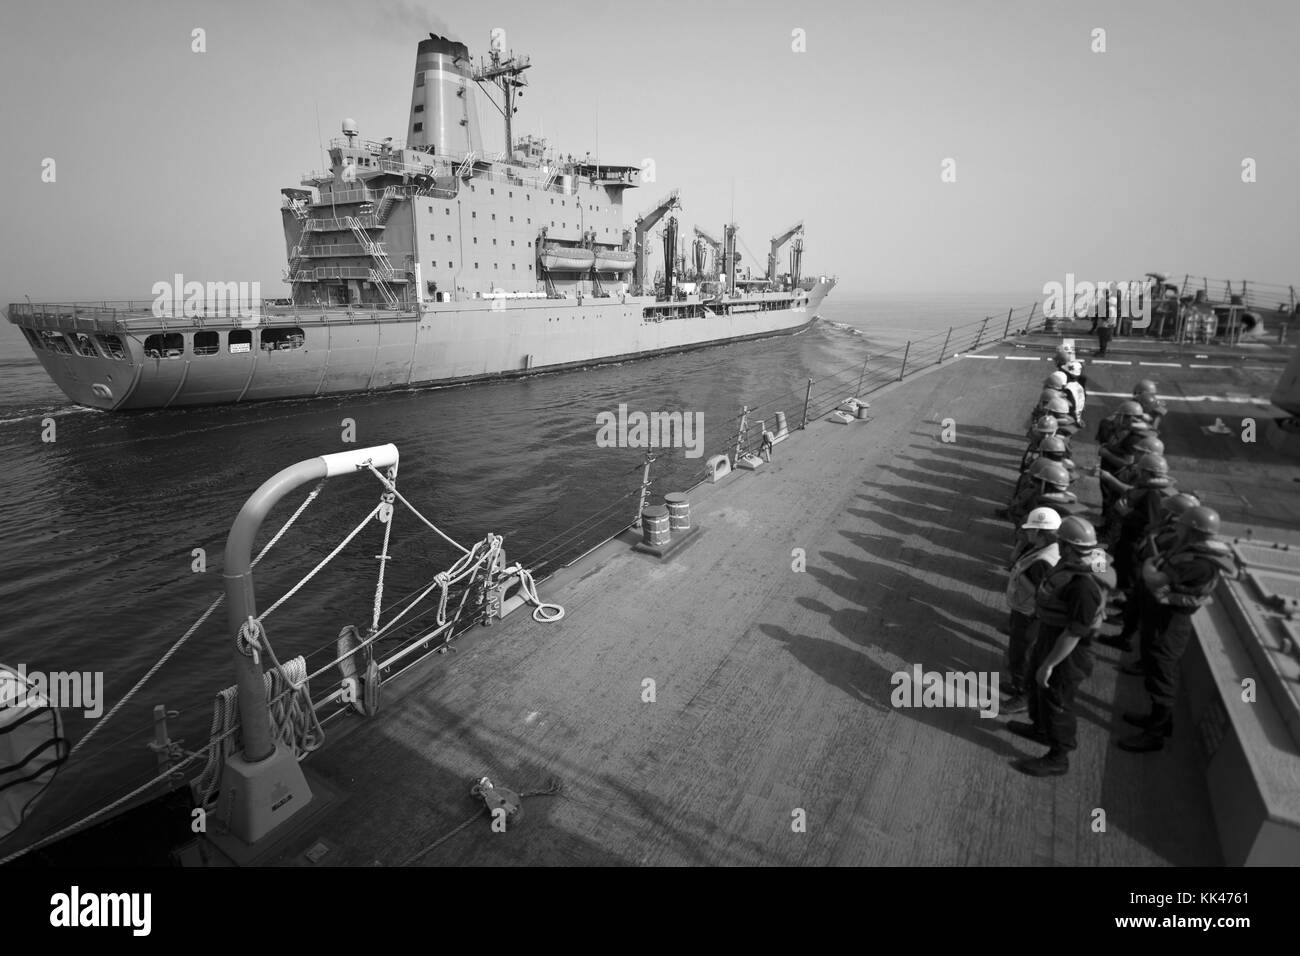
{"x": 507, "y": 74}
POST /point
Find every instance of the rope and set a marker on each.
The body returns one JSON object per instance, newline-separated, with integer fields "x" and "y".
{"x": 194, "y": 627}
{"x": 415, "y": 511}
{"x": 528, "y": 588}
{"x": 327, "y": 559}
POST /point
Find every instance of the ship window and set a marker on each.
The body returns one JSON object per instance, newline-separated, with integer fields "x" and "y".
{"x": 419, "y": 79}
{"x": 476, "y": 240}
{"x": 112, "y": 346}
{"x": 492, "y": 192}
{"x": 451, "y": 264}
{"x": 552, "y": 200}
{"x": 512, "y": 218}
{"x": 55, "y": 342}
{"x": 164, "y": 345}
{"x": 84, "y": 345}
{"x": 494, "y": 217}
{"x": 473, "y": 215}
{"x": 282, "y": 339}
{"x": 494, "y": 242}
{"x": 476, "y": 265}
{"x": 512, "y": 267}
{"x": 449, "y": 238}
{"x": 419, "y": 108}
{"x": 512, "y": 196}
{"x": 512, "y": 242}
{"x": 530, "y": 221}
{"x": 207, "y": 342}
{"x": 431, "y": 237}
{"x": 241, "y": 340}
{"x": 417, "y": 127}
{"x": 447, "y": 210}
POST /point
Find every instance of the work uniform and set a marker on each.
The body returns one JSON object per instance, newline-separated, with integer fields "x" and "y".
{"x": 1139, "y": 513}
{"x": 1072, "y": 597}
{"x": 1194, "y": 570}
{"x": 1027, "y": 573}
{"x": 1078, "y": 397}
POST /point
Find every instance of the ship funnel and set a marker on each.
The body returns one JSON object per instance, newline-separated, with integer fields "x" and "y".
{"x": 444, "y": 112}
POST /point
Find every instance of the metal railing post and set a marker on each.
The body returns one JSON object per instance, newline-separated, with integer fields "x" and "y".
{"x": 806, "y": 399}
{"x": 980, "y": 337}
{"x": 863, "y": 375}
{"x": 903, "y": 368}
{"x": 1007, "y": 331}
{"x": 943, "y": 351}
{"x": 1030, "y": 321}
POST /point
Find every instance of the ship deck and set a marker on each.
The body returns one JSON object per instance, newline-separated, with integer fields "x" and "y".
{"x": 772, "y": 687}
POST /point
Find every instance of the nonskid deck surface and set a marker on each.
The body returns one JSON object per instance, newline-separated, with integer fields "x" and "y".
{"x": 773, "y": 687}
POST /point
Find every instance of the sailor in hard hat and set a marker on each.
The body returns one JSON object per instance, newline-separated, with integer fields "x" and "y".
{"x": 1049, "y": 487}
{"x": 1139, "y": 511}
{"x": 1152, "y": 545}
{"x": 1077, "y": 386}
{"x": 1070, "y": 606}
{"x": 1028, "y": 569}
{"x": 1044, "y": 426}
{"x": 1129, "y": 411}
{"x": 1144, "y": 393}
{"x": 1180, "y": 580}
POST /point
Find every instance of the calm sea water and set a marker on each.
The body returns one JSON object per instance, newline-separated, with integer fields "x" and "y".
{"x": 97, "y": 528}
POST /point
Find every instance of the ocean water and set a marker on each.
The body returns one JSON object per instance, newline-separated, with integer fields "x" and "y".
{"x": 98, "y": 528}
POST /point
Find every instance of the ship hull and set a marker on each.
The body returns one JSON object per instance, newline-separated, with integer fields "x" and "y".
{"x": 449, "y": 343}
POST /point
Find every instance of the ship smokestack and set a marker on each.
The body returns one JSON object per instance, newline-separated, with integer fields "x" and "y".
{"x": 443, "y": 106}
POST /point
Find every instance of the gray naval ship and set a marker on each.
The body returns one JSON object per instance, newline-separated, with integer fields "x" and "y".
{"x": 431, "y": 263}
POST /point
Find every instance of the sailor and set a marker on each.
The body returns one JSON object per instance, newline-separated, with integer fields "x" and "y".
{"x": 1052, "y": 402}
{"x": 1180, "y": 580}
{"x": 1152, "y": 406}
{"x": 1117, "y": 455}
{"x": 1053, "y": 448}
{"x": 1139, "y": 512}
{"x": 1077, "y": 385}
{"x": 765, "y": 446}
{"x": 1070, "y": 606}
{"x": 1128, "y": 411}
{"x": 1049, "y": 487}
{"x": 1043, "y": 426}
{"x": 1105, "y": 332}
{"x": 1028, "y": 570}
{"x": 1151, "y": 546}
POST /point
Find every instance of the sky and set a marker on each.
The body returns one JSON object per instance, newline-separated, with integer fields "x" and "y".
{"x": 840, "y": 113}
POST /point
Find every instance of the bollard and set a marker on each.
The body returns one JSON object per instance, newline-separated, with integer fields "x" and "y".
{"x": 782, "y": 431}
{"x": 679, "y": 511}
{"x": 654, "y": 526}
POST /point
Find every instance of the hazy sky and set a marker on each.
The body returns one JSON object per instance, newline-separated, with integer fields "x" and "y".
{"x": 1102, "y": 164}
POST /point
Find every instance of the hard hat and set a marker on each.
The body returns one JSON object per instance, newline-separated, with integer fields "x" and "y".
{"x": 1053, "y": 473}
{"x": 1200, "y": 519}
{"x": 1057, "y": 405}
{"x": 1063, "y": 355}
{"x": 1074, "y": 368}
{"x": 1130, "y": 407}
{"x": 1139, "y": 426}
{"x": 1046, "y": 395}
{"x": 1045, "y": 425}
{"x": 1052, "y": 445}
{"x": 1078, "y": 532}
{"x": 1056, "y": 380}
{"x": 1146, "y": 386}
{"x": 1036, "y": 467}
{"x": 1150, "y": 444}
{"x": 1176, "y": 505}
{"x": 1153, "y": 465}
{"x": 1044, "y": 519}
{"x": 1149, "y": 402}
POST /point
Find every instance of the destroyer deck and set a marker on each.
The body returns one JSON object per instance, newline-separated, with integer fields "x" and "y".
{"x": 772, "y": 687}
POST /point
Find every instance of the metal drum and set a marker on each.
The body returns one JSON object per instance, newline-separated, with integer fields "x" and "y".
{"x": 679, "y": 511}
{"x": 654, "y": 526}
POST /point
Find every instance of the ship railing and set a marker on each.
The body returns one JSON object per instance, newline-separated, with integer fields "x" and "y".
{"x": 1261, "y": 296}
{"x": 340, "y": 249}
{"x": 122, "y": 315}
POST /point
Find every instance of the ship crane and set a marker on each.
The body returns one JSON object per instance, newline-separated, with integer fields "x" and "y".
{"x": 713, "y": 244}
{"x": 778, "y": 241}
{"x": 644, "y": 223}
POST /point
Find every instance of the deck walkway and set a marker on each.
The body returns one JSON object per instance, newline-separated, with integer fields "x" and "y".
{"x": 772, "y": 686}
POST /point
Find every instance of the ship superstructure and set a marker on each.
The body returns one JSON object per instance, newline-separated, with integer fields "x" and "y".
{"x": 431, "y": 261}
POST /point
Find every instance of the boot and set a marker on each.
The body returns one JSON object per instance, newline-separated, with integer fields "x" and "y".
{"x": 1054, "y": 763}
{"x": 1143, "y": 742}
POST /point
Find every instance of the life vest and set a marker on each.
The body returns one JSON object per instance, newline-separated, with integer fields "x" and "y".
{"x": 1020, "y": 592}
{"x": 1050, "y": 603}
{"x": 32, "y": 747}
{"x": 1078, "y": 394}
{"x": 1216, "y": 553}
